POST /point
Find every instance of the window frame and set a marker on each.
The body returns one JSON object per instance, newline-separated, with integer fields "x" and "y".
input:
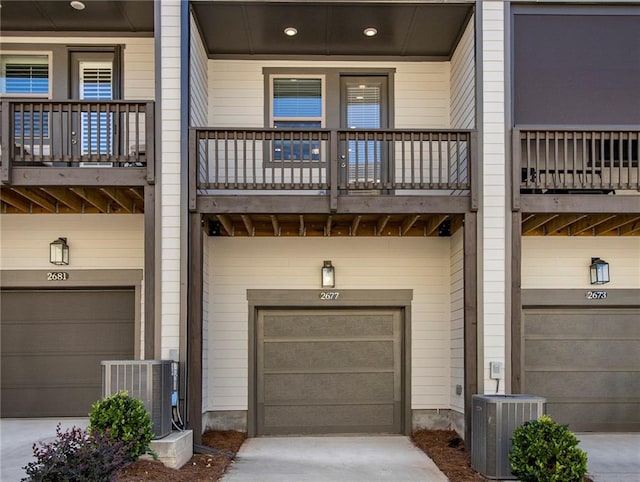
{"x": 25, "y": 54}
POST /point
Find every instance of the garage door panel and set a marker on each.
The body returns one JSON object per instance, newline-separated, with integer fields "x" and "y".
{"x": 37, "y": 402}
{"x": 597, "y": 416}
{"x": 579, "y": 323}
{"x": 328, "y": 355}
{"x": 52, "y": 345}
{"x": 582, "y": 385}
{"x": 595, "y": 354}
{"x": 338, "y": 325}
{"x": 329, "y": 371}
{"x": 347, "y": 387}
{"x": 65, "y": 337}
{"x": 56, "y": 306}
{"x": 586, "y": 362}
{"x": 330, "y": 419}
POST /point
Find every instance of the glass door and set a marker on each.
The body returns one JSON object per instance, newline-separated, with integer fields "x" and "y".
{"x": 364, "y": 106}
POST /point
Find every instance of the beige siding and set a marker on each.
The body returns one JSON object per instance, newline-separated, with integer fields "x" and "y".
{"x": 236, "y": 91}
{"x": 138, "y": 69}
{"x": 493, "y": 213}
{"x": 563, "y": 263}
{"x": 463, "y": 99}
{"x": 199, "y": 95}
{"x": 96, "y": 241}
{"x": 170, "y": 188}
{"x": 457, "y": 319}
{"x": 238, "y": 264}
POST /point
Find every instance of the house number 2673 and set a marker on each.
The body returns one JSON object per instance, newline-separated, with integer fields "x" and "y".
{"x": 329, "y": 295}
{"x": 596, "y": 295}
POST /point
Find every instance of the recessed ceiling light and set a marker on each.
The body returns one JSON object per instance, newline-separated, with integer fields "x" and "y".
{"x": 370, "y": 31}
{"x": 291, "y": 31}
{"x": 78, "y": 5}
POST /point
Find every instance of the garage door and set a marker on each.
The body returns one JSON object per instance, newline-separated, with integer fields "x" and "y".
{"x": 587, "y": 364}
{"x": 329, "y": 371}
{"x": 52, "y": 345}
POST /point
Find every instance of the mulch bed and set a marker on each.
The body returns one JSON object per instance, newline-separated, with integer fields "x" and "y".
{"x": 201, "y": 467}
{"x": 446, "y": 449}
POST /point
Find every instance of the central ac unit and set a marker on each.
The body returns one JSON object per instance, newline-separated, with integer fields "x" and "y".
{"x": 146, "y": 380}
{"x": 493, "y": 421}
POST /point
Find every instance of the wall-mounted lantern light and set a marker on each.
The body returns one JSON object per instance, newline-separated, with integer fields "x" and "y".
{"x": 328, "y": 275}
{"x": 599, "y": 271}
{"x": 59, "y": 251}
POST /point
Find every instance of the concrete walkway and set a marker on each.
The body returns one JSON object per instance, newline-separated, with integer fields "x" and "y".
{"x": 332, "y": 459}
{"x": 17, "y": 436}
{"x": 612, "y": 457}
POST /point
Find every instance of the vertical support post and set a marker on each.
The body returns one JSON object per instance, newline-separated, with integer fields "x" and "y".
{"x": 473, "y": 160}
{"x": 192, "y": 169}
{"x": 149, "y": 140}
{"x": 334, "y": 165}
{"x": 150, "y": 332}
{"x": 7, "y": 141}
{"x": 516, "y": 169}
{"x": 470, "y": 319}
{"x": 516, "y": 302}
{"x": 194, "y": 327}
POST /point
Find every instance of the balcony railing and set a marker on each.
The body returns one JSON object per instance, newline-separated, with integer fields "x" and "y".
{"x": 349, "y": 160}
{"x": 575, "y": 160}
{"x": 74, "y": 133}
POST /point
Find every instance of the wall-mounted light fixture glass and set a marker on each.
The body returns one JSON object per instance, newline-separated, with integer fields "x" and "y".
{"x": 328, "y": 275}
{"x": 59, "y": 251}
{"x": 599, "y": 271}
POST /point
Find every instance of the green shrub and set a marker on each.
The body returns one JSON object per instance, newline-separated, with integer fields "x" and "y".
{"x": 123, "y": 418}
{"x": 545, "y": 451}
{"x": 78, "y": 456}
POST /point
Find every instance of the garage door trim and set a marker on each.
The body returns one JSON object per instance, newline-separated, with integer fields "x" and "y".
{"x": 364, "y": 299}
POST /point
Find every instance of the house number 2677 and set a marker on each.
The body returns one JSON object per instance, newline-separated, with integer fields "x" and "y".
{"x": 329, "y": 295}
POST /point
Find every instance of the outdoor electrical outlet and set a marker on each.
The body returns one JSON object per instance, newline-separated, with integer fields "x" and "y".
{"x": 495, "y": 370}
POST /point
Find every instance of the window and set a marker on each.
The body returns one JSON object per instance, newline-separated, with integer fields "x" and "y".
{"x": 25, "y": 75}
{"x": 97, "y": 128}
{"x": 296, "y": 103}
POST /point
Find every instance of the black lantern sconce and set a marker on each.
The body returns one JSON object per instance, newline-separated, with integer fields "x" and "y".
{"x": 599, "y": 271}
{"x": 59, "y": 251}
{"x": 328, "y": 275}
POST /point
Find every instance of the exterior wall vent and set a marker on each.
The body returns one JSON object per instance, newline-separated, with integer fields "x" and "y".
{"x": 493, "y": 420}
{"x": 146, "y": 380}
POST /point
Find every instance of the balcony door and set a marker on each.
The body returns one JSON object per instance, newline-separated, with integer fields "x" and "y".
{"x": 94, "y": 79}
{"x": 364, "y": 105}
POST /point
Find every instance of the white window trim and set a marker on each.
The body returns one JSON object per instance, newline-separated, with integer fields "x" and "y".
{"x": 30, "y": 53}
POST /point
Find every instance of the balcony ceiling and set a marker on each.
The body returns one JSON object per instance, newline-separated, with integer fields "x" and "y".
{"x": 421, "y": 30}
{"x": 71, "y": 200}
{"x": 128, "y": 16}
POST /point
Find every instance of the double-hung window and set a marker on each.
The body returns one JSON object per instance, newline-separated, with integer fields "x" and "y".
{"x": 297, "y": 103}
{"x": 27, "y": 75}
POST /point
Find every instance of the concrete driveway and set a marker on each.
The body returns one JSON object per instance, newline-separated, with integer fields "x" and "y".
{"x": 17, "y": 436}
{"x": 612, "y": 457}
{"x": 334, "y": 459}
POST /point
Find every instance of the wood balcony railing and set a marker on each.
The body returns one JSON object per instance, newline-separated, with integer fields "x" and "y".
{"x": 398, "y": 161}
{"x": 575, "y": 160}
{"x": 73, "y": 133}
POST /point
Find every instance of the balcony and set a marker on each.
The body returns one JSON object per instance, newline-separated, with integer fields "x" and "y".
{"x": 549, "y": 160}
{"x": 331, "y": 164}
{"x": 76, "y": 156}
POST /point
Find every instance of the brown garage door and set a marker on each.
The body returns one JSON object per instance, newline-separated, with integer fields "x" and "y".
{"x": 329, "y": 371}
{"x": 587, "y": 364}
{"x": 52, "y": 345}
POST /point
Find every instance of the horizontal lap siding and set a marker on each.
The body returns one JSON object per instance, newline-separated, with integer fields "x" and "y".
{"x": 236, "y": 91}
{"x": 561, "y": 262}
{"x": 96, "y": 241}
{"x": 288, "y": 263}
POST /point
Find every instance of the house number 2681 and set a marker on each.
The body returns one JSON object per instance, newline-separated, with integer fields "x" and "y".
{"x": 329, "y": 295}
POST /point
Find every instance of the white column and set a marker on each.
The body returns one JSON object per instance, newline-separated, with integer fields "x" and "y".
{"x": 493, "y": 212}
{"x": 169, "y": 119}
